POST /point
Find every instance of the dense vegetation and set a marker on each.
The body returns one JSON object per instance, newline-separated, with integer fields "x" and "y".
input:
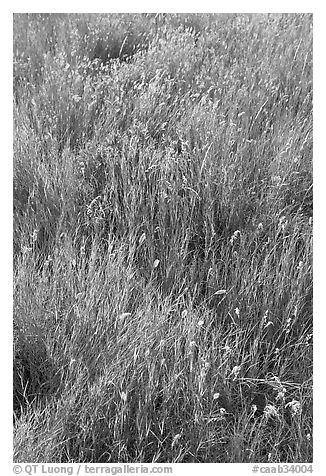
{"x": 162, "y": 238}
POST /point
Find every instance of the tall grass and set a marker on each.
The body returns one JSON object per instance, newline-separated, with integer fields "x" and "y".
{"x": 162, "y": 238}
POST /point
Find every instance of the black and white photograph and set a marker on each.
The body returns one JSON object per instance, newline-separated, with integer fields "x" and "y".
{"x": 162, "y": 240}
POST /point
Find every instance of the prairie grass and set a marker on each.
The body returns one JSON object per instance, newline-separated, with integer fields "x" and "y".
{"x": 162, "y": 238}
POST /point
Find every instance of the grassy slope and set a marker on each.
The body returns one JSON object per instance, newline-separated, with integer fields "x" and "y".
{"x": 144, "y": 185}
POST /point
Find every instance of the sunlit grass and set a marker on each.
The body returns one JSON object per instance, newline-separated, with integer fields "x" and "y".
{"x": 163, "y": 238}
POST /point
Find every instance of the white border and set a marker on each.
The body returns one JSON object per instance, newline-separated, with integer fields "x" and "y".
{"x": 319, "y": 195}
{"x": 169, "y": 6}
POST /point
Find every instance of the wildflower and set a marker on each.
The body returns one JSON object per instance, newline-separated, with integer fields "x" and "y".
{"x": 277, "y": 351}
{"x": 48, "y": 260}
{"x": 236, "y": 235}
{"x": 175, "y": 440}
{"x": 184, "y": 313}
{"x": 235, "y": 371}
{"x": 156, "y": 263}
{"x": 200, "y": 323}
{"x": 260, "y": 227}
{"x": 123, "y": 396}
{"x": 308, "y": 436}
{"x": 35, "y": 235}
{"x": 307, "y": 339}
{"x": 254, "y": 409}
{"x": 288, "y": 325}
{"x": 222, "y": 411}
{"x": 300, "y": 265}
{"x": 267, "y": 323}
{"x": 202, "y": 377}
{"x": 237, "y": 311}
{"x": 270, "y": 411}
{"x": 283, "y": 222}
{"x": 82, "y": 166}
{"x": 192, "y": 344}
{"x": 295, "y": 407}
{"x": 277, "y": 380}
{"x": 281, "y": 395}
{"x": 265, "y": 317}
{"x": 216, "y": 396}
{"x": 227, "y": 348}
